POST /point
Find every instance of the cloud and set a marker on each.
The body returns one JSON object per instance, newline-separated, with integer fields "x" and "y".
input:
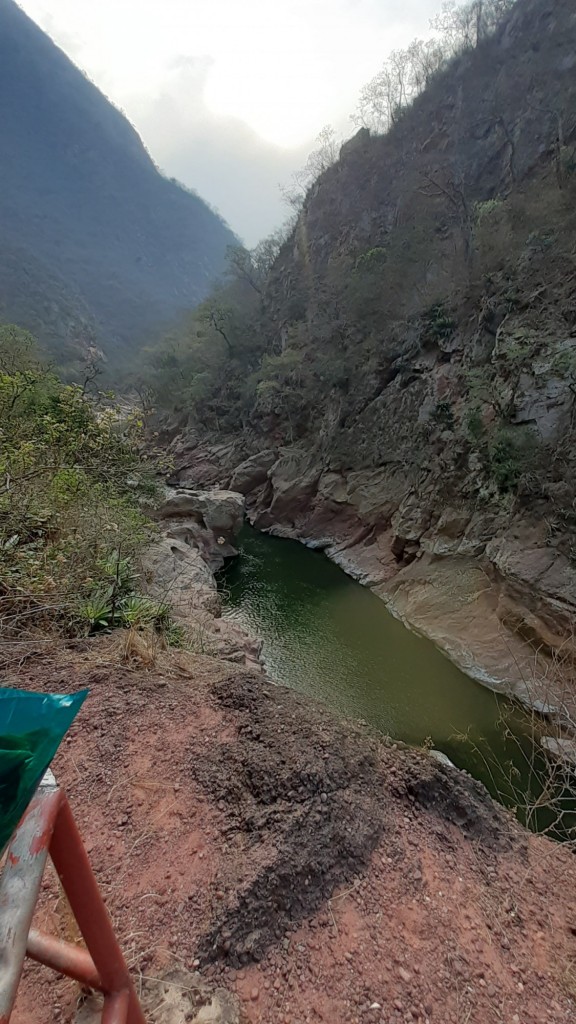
{"x": 213, "y": 86}
{"x": 221, "y": 157}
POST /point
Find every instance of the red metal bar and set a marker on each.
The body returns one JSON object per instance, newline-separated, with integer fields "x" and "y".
{"x": 72, "y": 864}
{"x": 116, "y": 1008}
{"x": 19, "y": 887}
{"x": 63, "y": 957}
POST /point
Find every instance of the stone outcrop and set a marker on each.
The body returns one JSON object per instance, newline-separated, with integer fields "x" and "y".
{"x": 179, "y": 575}
{"x": 219, "y": 511}
{"x": 197, "y": 529}
{"x": 253, "y": 472}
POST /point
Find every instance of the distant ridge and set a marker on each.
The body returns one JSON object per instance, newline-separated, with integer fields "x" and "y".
{"x": 96, "y": 246}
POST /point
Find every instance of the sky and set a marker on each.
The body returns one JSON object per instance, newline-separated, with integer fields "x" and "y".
{"x": 229, "y": 95}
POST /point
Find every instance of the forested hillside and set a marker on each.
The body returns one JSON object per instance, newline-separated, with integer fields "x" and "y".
{"x": 98, "y": 248}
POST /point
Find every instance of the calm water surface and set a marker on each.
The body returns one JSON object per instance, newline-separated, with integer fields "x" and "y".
{"x": 327, "y": 636}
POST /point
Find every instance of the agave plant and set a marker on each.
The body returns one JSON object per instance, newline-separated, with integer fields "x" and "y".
{"x": 96, "y": 611}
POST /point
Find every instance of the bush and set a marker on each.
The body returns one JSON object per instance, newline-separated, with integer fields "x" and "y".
{"x": 511, "y": 455}
{"x": 71, "y": 488}
{"x": 438, "y": 324}
{"x": 474, "y": 424}
{"x": 443, "y": 415}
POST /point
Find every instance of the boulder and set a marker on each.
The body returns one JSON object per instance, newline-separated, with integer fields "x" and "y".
{"x": 253, "y": 472}
{"x": 447, "y": 535}
{"x": 222, "y": 512}
{"x": 562, "y": 748}
{"x": 214, "y": 550}
{"x": 377, "y": 494}
{"x": 539, "y": 569}
{"x": 544, "y": 399}
{"x": 333, "y": 488}
{"x": 179, "y": 575}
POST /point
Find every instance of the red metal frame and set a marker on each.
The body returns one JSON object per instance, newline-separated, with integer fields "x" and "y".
{"x": 48, "y": 827}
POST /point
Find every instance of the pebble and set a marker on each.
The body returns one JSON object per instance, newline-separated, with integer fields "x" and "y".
{"x": 254, "y": 993}
{"x": 404, "y": 974}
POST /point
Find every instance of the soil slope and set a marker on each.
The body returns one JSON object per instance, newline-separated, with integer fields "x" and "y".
{"x": 247, "y": 840}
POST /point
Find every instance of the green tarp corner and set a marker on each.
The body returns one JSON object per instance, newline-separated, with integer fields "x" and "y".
{"x": 32, "y": 726}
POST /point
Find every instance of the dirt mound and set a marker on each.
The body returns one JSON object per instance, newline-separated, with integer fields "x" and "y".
{"x": 312, "y": 795}
{"x": 295, "y": 860}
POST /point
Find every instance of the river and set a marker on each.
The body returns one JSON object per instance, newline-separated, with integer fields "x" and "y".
{"x": 328, "y": 637}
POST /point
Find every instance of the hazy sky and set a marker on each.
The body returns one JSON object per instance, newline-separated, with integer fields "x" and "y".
{"x": 229, "y": 95}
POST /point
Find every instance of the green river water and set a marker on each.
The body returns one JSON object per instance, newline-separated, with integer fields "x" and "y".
{"x": 327, "y": 636}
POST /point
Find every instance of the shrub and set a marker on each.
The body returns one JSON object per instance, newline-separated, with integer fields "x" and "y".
{"x": 484, "y": 210}
{"x": 71, "y": 488}
{"x": 511, "y": 455}
{"x": 438, "y": 324}
{"x": 443, "y": 415}
{"x": 474, "y": 424}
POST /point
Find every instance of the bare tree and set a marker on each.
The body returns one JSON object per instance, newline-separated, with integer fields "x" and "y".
{"x": 254, "y": 265}
{"x": 242, "y": 265}
{"x": 453, "y": 190}
{"x": 91, "y": 371}
{"x": 464, "y": 26}
{"x": 320, "y": 160}
{"x": 406, "y": 73}
{"x": 561, "y": 133}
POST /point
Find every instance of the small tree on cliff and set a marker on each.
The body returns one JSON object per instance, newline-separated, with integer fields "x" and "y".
{"x": 320, "y": 160}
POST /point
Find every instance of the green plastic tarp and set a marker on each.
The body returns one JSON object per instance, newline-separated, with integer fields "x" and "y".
{"x": 32, "y": 726}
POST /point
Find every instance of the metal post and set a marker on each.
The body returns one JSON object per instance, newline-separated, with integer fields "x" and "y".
{"x": 116, "y": 1008}
{"x": 63, "y": 957}
{"x": 20, "y": 884}
{"x": 72, "y": 864}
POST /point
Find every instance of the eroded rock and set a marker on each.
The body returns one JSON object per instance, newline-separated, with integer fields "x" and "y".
{"x": 253, "y": 472}
{"x": 178, "y": 574}
{"x": 218, "y": 510}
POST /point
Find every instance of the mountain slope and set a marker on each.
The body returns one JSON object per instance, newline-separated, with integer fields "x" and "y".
{"x": 414, "y": 357}
{"x": 113, "y": 249}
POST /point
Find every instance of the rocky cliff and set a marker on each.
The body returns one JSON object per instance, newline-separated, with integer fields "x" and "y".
{"x": 97, "y": 246}
{"x": 419, "y": 380}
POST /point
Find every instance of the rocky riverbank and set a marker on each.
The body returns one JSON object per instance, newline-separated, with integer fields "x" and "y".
{"x": 197, "y": 532}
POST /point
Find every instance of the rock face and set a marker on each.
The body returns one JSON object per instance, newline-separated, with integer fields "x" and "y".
{"x": 253, "y": 472}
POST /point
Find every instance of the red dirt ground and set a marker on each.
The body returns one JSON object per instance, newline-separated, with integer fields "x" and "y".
{"x": 298, "y": 861}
